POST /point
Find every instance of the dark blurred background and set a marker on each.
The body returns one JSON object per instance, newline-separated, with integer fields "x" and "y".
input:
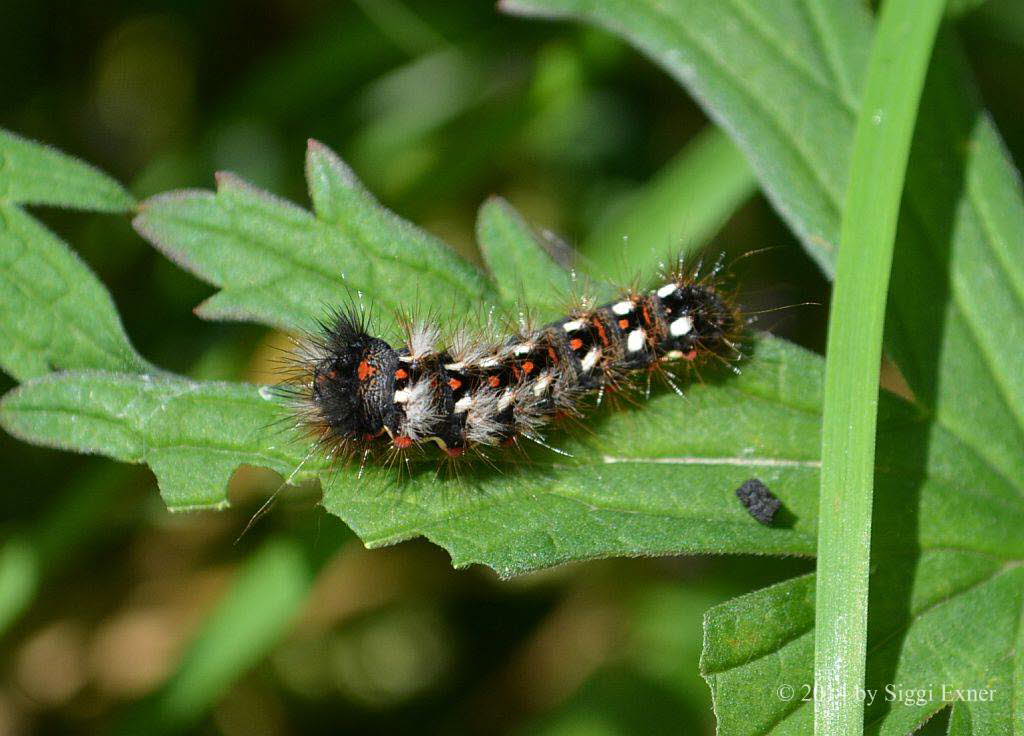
{"x": 115, "y": 615}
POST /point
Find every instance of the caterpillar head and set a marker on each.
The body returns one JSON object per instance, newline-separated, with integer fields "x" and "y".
{"x": 700, "y": 321}
{"x": 715, "y": 321}
{"x": 352, "y": 379}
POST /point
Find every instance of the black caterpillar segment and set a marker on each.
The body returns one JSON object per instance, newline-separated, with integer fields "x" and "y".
{"x": 355, "y": 391}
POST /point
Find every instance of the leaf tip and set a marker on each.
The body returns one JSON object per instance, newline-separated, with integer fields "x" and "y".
{"x": 315, "y": 146}
{"x": 495, "y": 201}
{"x": 229, "y": 180}
{"x": 321, "y": 159}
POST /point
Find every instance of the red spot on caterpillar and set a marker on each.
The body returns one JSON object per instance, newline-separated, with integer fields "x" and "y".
{"x": 553, "y": 354}
{"x": 691, "y": 355}
{"x": 601, "y": 332}
{"x": 455, "y": 451}
{"x": 494, "y": 381}
{"x": 528, "y": 367}
{"x": 366, "y": 370}
{"x": 401, "y": 374}
{"x": 402, "y": 442}
{"x": 623, "y": 323}
{"x": 454, "y": 384}
{"x": 576, "y": 343}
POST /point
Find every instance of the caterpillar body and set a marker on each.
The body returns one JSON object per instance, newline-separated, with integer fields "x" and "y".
{"x": 354, "y": 392}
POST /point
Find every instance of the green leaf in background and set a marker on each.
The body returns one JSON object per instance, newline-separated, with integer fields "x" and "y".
{"x": 54, "y": 312}
{"x": 782, "y": 78}
{"x": 519, "y": 263}
{"x": 281, "y": 265}
{"x": 956, "y": 300}
{"x": 681, "y": 208}
{"x": 31, "y": 173}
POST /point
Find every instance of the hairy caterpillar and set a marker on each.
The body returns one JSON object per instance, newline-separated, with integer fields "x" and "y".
{"x": 355, "y": 393}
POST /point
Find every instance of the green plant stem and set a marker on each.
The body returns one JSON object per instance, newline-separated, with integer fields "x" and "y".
{"x": 896, "y": 71}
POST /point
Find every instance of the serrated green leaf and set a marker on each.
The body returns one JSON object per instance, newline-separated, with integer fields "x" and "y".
{"x": 281, "y": 265}
{"x": 656, "y": 481}
{"x": 193, "y": 435}
{"x": 31, "y": 173}
{"x": 519, "y": 264}
{"x": 54, "y": 312}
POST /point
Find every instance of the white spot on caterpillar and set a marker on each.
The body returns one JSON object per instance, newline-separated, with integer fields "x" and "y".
{"x": 667, "y": 289}
{"x": 590, "y": 359}
{"x": 673, "y": 355}
{"x": 635, "y": 341}
{"x": 574, "y": 325}
{"x": 457, "y": 367}
{"x": 463, "y": 404}
{"x": 402, "y": 396}
{"x": 491, "y": 362}
{"x": 681, "y": 326}
{"x": 621, "y": 308}
{"x": 406, "y": 358}
{"x": 541, "y": 385}
{"x": 522, "y": 349}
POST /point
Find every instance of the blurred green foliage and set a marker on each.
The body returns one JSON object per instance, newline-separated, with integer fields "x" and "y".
{"x": 108, "y": 603}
